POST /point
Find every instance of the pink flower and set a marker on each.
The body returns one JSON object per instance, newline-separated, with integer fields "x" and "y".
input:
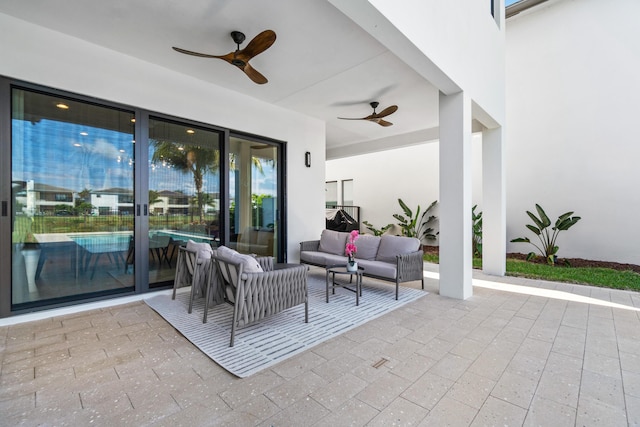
{"x": 351, "y": 248}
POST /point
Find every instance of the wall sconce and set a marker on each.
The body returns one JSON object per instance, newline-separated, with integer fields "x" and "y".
{"x": 307, "y": 159}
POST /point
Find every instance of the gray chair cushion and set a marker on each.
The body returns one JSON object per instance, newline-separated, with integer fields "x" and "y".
{"x": 249, "y": 263}
{"x": 390, "y": 246}
{"x": 204, "y": 250}
{"x": 333, "y": 242}
{"x": 367, "y": 246}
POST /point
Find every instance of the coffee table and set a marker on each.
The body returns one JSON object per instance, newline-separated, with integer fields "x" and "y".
{"x": 341, "y": 269}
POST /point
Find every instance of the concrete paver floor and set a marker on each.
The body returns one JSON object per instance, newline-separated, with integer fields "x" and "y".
{"x": 519, "y": 352}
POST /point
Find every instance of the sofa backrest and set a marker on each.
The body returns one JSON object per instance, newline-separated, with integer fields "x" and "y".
{"x": 390, "y": 246}
{"x": 333, "y": 242}
{"x": 367, "y": 246}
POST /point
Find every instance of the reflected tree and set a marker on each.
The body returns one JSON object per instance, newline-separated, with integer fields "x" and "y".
{"x": 192, "y": 159}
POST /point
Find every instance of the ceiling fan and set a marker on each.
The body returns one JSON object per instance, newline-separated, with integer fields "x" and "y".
{"x": 241, "y": 57}
{"x": 377, "y": 117}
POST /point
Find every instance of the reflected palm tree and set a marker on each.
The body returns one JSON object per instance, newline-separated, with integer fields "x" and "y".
{"x": 189, "y": 159}
{"x": 198, "y": 161}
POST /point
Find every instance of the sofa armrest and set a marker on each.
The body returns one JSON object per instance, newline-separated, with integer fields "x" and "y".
{"x": 410, "y": 266}
{"x": 310, "y": 245}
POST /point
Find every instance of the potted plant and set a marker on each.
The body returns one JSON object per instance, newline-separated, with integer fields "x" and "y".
{"x": 351, "y": 249}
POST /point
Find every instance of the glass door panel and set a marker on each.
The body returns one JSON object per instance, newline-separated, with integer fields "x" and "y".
{"x": 72, "y": 165}
{"x": 184, "y": 193}
{"x": 253, "y": 198}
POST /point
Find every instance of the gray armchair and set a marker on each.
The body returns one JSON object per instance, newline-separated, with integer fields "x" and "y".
{"x": 256, "y": 296}
{"x": 193, "y": 269}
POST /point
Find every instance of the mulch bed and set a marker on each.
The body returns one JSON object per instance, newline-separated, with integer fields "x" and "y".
{"x": 562, "y": 262}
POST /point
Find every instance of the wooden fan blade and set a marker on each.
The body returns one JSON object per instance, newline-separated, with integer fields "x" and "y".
{"x": 254, "y": 74}
{"x": 387, "y": 111}
{"x": 383, "y": 122}
{"x": 353, "y": 118}
{"x": 202, "y": 55}
{"x": 259, "y": 44}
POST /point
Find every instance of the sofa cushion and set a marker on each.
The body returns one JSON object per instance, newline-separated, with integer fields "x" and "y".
{"x": 391, "y": 246}
{"x": 333, "y": 242}
{"x": 322, "y": 258}
{"x": 367, "y": 246}
{"x": 377, "y": 268}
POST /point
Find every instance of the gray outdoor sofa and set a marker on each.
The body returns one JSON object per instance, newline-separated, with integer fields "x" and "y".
{"x": 395, "y": 259}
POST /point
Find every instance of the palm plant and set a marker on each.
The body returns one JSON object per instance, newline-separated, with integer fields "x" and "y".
{"x": 416, "y": 225}
{"x": 548, "y": 247}
{"x": 476, "y": 227}
{"x": 376, "y": 231}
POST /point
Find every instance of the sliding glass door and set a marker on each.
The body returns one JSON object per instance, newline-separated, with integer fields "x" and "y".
{"x": 97, "y": 198}
{"x": 184, "y": 192}
{"x": 72, "y": 165}
{"x": 254, "y": 217}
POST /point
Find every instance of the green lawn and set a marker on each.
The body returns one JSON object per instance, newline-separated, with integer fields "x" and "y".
{"x": 603, "y": 277}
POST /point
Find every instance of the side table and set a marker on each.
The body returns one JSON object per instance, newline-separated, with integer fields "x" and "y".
{"x": 341, "y": 269}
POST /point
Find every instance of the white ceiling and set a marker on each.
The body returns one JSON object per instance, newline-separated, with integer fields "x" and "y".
{"x": 322, "y": 64}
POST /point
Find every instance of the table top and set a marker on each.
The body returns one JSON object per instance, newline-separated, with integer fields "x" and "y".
{"x": 342, "y": 269}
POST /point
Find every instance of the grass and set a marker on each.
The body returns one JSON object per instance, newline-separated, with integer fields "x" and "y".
{"x": 594, "y": 276}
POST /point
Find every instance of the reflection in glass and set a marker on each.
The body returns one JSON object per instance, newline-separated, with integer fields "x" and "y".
{"x": 253, "y": 185}
{"x": 72, "y": 193}
{"x": 184, "y": 193}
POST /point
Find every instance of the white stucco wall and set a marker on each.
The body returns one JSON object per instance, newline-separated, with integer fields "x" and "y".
{"x": 410, "y": 173}
{"x": 572, "y": 142}
{"x": 462, "y": 39}
{"x": 49, "y": 58}
{"x": 572, "y": 112}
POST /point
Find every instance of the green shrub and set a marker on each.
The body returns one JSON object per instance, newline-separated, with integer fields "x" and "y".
{"x": 548, "y": 247}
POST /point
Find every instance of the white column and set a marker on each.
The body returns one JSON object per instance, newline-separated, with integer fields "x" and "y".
{"x": 494, "y": 224}
{"x": 455, "y": 196}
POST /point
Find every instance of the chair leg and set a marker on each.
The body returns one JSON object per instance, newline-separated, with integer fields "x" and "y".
{"x": 233, "y": 325}
{"x": 194, "y": 282}
{"x": 397, "y": 287}
{"x": 206, "y": 298}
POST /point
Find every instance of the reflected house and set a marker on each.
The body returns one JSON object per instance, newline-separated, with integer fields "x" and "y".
{"x": 112, "y": 201}
{"x": 171, "y": 203}
{"x": 178, "y": 203}
{"x": 37, "y": 198}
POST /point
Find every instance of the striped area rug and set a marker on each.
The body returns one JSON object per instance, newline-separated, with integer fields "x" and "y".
{"x": 283, "y": 335}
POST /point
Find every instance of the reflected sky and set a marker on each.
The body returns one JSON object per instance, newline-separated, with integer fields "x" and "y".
{"x": 77, "y": 157}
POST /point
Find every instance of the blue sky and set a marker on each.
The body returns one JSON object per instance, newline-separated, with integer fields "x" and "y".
{"x": 510, "y": 2}
{"x": 75, "y": 157}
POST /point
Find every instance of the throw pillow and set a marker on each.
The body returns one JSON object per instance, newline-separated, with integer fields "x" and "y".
{"x": 204, "y": 250}
{"x": 249, "y": 263}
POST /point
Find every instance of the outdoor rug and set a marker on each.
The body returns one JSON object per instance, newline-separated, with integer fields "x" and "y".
{"x": 282, "y": 335}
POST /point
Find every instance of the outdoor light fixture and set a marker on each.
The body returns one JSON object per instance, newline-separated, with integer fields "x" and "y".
{"x": 307, "y": 159}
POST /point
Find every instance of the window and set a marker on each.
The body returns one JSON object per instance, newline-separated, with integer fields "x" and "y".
{"x": 331, "y": 193}
{"x": 347, "y": 192}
